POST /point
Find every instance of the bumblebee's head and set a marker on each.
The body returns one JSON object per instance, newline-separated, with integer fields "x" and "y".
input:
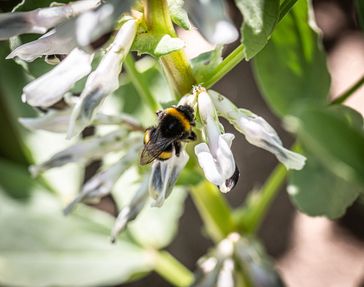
{"x": 188, "y": 112}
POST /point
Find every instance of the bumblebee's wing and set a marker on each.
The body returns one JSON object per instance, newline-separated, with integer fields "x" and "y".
{"x": 153, "y": 149}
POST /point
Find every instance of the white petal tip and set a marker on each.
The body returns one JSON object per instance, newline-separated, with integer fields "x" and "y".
{"x": 293, "y": 160}
{"x": 24, "y": 98}
{"x": 35, "y": 170}
{"x": 10, "y": 56}
{"x": 225, "y": 33}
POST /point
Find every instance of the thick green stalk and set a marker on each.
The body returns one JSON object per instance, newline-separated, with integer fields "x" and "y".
{"x": 171, "y": 269}
{"x": 175, "y": 64}
{"x": 214, "y": 210}
{"x": 230, "y": 62}
{"x": 139, "y": 84}
{"x": 250, "y": 217}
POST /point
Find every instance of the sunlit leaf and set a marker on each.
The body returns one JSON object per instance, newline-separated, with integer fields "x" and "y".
{"x": 337, "y": 144}
{"x": 204, "y": 64}
{"x": 178, "y": 14}
{"x": 156, "y": 45}
{"x": 41, "y": 247}
{"x": 316, "y": 191}
{"x": 260, "y": 17}
{"x": 291, "y": 70}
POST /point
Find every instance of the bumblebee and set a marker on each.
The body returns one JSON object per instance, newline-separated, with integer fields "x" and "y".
{"x": 175, "y": 126}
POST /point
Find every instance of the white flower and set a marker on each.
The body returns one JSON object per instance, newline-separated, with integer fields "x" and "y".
{"x": 93, "y": 25}
{"x": 52, "y": 43}
{"x": 51, "y": 87}
{"x": 53, "y": 121}
{"x": 215, "y": 158}
{"x": 257, "y": 131}
{"x": 40, "y": 20}
{"x": 101, "y": 183}
{"x": 164, "y": 176}
{"x": 57, "y": 121}
{"x": 104, "y": 80}
{"x": 131, "y": 210}
{"x": 212, "y": 21}
{"x": 83, "y": 151}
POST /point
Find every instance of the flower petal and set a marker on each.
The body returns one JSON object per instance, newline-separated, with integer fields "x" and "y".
{"x": 93, "y": 25}
{"x": 208, "y": 164}
{"x": 101, "y": 183}
{"x": 53, "y": 121}
{"x": 84, "y": 151}
{"x": 216, "y": 159}
{"x": 104, "y": 80}
{"x": 257, "y": 131}
{"x": 131, "y": 211}
{"x": 210, "y": 18}
{"x": 40, "y": 20}
{"x": 52, "y": 43}
{"x": 50, "y": 88}
{"x": 164, "y": 176}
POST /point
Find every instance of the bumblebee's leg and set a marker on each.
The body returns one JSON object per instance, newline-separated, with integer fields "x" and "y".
{"x": 159, "y": 114}
{"x": 177, "y": 147}
{"x": 192, "y": 136}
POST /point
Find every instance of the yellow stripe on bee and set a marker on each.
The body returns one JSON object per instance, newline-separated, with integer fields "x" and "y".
{"x": 180, "y": 116}
{"x": 165, "y": 155}
{"x": 146, "y": 136}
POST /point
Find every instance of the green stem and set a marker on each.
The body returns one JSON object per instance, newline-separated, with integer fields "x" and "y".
{"x": 349, "y": 92}
{"x": 250, "y": 218}
{"x": 230, "y": 62}
{"x": 175, "y": 64}
{"x": 171, "y": 269}
{"x": 139, "y": 84}
{"x": 236, "y": 56}
{"x": 214, "y": 210}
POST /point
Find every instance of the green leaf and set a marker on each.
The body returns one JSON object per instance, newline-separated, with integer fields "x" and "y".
{"x": 316, "y": 191}
{"x": 156, "y": 45}
{"x": 203, "y": 65}
{"x": 291, "y": 70}
{"x": 41, "y": 247}
{"x": 260, "y": 17}
{"x": 332, "y": 140}
{"x": 178, "y": 14}
{"x": 351, "y": 116}
{"x": 12, "y": 145}
{"x": 359, "y": 8}
{"x": 15, "y": 180}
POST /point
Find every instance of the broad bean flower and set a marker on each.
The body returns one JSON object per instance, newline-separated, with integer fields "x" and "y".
{"x": 90, "y": 40}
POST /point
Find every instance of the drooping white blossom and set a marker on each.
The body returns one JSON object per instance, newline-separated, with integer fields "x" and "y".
{"x": 53, "y": 121}
{"x": 215, "y": 157}
{"x": 57, "y": 121}
{"x": 164, "y": 176}
{"x": 51, "y": 87}
{"x": 104, "y": 80}
{"x": 92, "y": 25}
{"x": 52, "y": 43}
{"x": 132, "y": 209}
{"x": 102, "y": 182}
{"x": 257, "y": 131}
{"x": 83, "y": 151}
{"x": 212, "y": 21}
{"x": 40, "y": 20}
